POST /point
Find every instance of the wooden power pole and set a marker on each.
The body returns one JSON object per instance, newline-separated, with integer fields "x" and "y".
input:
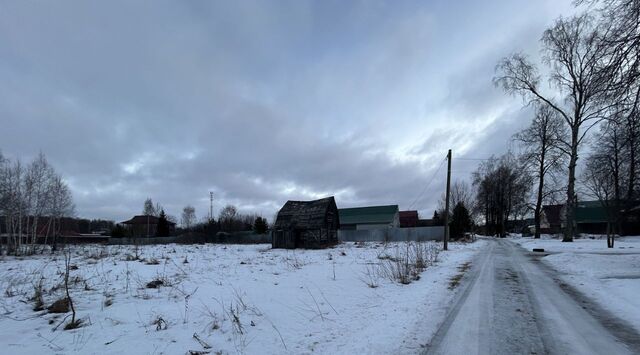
{"x": 446, "y": 208}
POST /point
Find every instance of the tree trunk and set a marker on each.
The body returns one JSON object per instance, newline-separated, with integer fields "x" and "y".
{"x": 538, "y": 210}
{"x": 570, "y": 230}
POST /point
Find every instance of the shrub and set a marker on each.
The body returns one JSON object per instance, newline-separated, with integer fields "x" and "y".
{"x": 59, "y": 306}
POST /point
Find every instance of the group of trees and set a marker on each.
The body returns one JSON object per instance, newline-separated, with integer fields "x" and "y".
{"x": 591, "y": 62}
{"x": 461, "y": 216}
{"x": 502, "y": 187}
{"x": 231, "y": 220}
{"x": 33, "y": 201}
{"x": 149, "y": 209}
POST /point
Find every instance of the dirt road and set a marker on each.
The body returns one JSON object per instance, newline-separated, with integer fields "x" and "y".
{"x": 512, "y": 303}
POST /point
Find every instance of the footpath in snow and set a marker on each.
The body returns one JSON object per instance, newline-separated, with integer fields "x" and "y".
{"x": 226, "y": 299}
{"x": 610, "y": 277}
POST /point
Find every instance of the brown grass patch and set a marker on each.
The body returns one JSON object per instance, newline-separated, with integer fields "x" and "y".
{"x": 455, "y": 280}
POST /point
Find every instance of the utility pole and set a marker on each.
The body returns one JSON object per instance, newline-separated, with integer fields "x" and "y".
{"x": 446, "y": 208}
{"x": 210, "y": 206}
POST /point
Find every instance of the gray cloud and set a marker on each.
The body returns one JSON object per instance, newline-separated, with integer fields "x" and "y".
{"x": 259, "y": 102}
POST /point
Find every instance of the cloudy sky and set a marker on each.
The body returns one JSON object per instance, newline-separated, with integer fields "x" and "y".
{"x": 260, "y": 102}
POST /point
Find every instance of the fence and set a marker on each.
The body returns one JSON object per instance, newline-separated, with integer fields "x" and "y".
{"x": 392, "y": 234}
{"x": 235, "y": 238}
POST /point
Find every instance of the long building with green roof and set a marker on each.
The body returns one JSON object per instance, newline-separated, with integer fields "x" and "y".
{"x": 371, "y": 217}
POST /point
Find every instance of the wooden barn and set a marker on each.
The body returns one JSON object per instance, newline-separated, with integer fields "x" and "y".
{"x": 306, "y": 224}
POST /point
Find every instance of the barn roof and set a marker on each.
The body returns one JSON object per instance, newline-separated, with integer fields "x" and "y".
{"x": 371, "y": 214}
{"x": 304, "y": 214}
{"x": 143, "y": 219}
{"x": 590, "y": 212}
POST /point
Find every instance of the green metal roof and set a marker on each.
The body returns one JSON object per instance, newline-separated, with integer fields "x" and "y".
{"x": 368, "y": 215}
{"x": 590, "y": 212}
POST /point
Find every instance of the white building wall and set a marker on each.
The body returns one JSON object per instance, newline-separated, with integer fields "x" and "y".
{"x": 366, "y": 227}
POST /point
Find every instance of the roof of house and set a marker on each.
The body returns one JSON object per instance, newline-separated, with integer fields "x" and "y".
{"x": 408, "y": 218}
{"x": 143, "y": 219}
{"x": 590, "y": 212}
{"x": 408, "y": 214}
{"x": 368, "y": 215}
{"x": 586, "y": 212}
{"x": 304, "y": 214}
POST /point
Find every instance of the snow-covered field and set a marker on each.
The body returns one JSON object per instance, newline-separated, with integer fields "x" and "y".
{"x": 235, "y": 299}
{"x": 611, "y": 277}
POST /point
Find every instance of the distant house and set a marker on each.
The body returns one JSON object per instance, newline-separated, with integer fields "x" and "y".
{"x": 306, "y": 224}
{"x": 590, "y": 217}
{"x": 373, "y": 217}
{"x": 551, "y": 221}
{"x": 408, "y": 219}
{"x": 145, "y": 226}
{"x": 632, "y": 220}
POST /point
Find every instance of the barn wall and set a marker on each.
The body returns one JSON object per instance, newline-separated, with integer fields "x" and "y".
{"x": 392, "y": 234}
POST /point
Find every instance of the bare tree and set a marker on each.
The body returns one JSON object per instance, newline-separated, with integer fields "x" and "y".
{"x": 228, "y": 218}
{"x": 542, "y": 154}
{"x": 502, "y": 186}
{"x": 4, "y": 195}
{"x": 601, "y": 184}
{"x": 620, "y": 20}
{"x": 61, "y": 205}
{"x": 575, "y": 54}
{"x": 461, "y": 192}
{"x": 149, "y": 209}
{"x": 34, "y": 199}
{"x": 188, "y": 217}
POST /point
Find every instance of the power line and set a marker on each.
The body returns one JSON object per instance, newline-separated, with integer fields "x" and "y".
{"x": 472, "y": 158}
{"x": 427, "y": 185}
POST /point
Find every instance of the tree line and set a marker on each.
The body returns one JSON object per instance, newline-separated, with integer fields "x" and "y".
{"x": 34, "y": 199}
{"x": 590, "y": 64}
{"x": 229, "y": 220}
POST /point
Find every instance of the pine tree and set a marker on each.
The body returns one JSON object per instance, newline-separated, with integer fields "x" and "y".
{"x": 460, "y": 222}
{"x": 437, "y": 221}
{"x": 260, "y": 225}
{"x": 163, "y": 225}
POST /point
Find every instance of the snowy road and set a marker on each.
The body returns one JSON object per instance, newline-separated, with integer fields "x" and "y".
{"x": 511, "y": 304}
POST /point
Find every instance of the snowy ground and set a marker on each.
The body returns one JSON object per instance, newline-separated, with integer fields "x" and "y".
{"x": 235, "y": 299}
{"x": 611, "y": 277}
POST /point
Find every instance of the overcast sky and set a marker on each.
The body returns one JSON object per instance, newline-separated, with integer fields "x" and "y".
{"x": 259, "y": 102}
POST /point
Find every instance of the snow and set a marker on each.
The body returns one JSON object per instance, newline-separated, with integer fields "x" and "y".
{"x": 286, "y": 301}
{"x": 610, "y": 277}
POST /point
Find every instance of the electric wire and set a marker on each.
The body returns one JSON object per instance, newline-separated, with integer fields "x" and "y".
{"x": 428, "y": 183}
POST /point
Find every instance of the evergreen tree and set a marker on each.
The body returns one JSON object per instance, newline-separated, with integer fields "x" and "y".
{"x": 260, "y": 225}
{"x": 437, "y": 221}
{"x": 118, "y": 231}
{"x": 460, "y": 222}
{"x": 163, "y": 225}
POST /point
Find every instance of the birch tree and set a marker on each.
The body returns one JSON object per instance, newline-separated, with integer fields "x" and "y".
{"x": 33, "y": 202}
{"x": 580, "y": 77}
{"x": 188, "y": 217}
{"x": 542, "y": 154}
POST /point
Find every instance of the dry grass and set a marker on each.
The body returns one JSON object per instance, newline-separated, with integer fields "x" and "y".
{"x": 410, "y": 259}
{"x": 455, "y": 280}
{"x": 59, "y": 306}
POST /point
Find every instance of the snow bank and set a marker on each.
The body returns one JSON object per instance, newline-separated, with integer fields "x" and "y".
{"x": 611, "y": 277}
{"x": 234, "y": 299}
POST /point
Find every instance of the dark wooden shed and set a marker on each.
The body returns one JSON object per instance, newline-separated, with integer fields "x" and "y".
{"x": 306, "y": 224}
